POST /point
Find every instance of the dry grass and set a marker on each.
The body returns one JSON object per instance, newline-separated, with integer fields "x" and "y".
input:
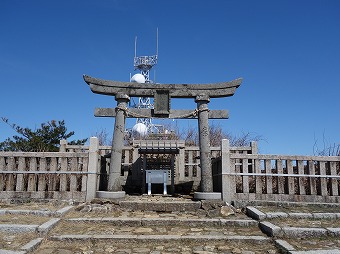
{"x": 10, "y": 241}
{"x": 89, "y": 228}
{"x": 23, "y": 219}
{"x": 315, "y": 243}
{"x": 41, "y": 206}
{"x": 107, "y": 246}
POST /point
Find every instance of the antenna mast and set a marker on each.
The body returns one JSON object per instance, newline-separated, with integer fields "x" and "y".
{"x": 144, "y": 64}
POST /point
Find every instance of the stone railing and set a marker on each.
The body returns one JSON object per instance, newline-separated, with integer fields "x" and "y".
{"x": 239, "y": 173}
{"x": 49, "y": 175}
{"x": 259, "y": 177}
{"x": 187, "y": 162}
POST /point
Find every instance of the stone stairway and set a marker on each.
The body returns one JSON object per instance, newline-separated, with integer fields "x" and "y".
{"x": 157, "y": 225}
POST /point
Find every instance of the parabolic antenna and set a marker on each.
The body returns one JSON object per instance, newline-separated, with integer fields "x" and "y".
{"x": 138, "y": 78}
{"x": 140, "y": 129}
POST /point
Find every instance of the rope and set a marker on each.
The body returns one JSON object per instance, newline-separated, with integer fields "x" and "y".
{"x": 193, "y": 113}
{"x": 136, "y": 115}
{"x": 130, "y": 113}
{"x": 122, "y": 108}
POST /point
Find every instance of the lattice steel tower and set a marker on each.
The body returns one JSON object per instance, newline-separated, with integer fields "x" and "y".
{"x": 144, "y": 64}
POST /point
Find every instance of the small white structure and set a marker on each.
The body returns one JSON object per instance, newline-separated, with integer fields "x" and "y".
{"x": 140, "y": 129}
{"x": 138, "y": 78}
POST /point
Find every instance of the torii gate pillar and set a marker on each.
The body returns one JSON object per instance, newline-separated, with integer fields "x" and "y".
{"x": 204, "y": 142}
{"x": 117, "y": 142}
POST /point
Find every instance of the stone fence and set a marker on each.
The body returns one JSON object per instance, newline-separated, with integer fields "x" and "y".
{"x": 49, "y": 175}
{"x": 279, "y": 178}
{"x": 239, "y": 173}
{"x": 187, "y": 163}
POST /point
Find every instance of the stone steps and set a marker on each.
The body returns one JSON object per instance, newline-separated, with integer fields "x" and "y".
{"x": 179, "y": 206}
{"x": 149, "y": 225}
{"x": 183, "y": 222}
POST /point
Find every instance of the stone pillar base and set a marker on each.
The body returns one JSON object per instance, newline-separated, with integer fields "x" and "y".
{"x": 208, "y": 195}
{"x": 110, "y": 194}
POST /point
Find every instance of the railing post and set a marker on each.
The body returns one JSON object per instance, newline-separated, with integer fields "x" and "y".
{"x": 254, "y": 149}
{"x": 91, "y": 186}
{"x": 228, "y": 180}
{"x": 63, "y": 144}
{"x": 181, "y": 164}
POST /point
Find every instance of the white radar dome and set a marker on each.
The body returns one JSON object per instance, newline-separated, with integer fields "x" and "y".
{"x": 138, "y": 78}
{"x": 140, "y": 129}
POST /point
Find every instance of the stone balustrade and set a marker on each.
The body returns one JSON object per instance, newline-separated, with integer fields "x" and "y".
{"x": 239, "y": 173}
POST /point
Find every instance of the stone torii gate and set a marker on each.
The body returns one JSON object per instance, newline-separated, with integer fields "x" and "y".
{"x": 162, "y": 93}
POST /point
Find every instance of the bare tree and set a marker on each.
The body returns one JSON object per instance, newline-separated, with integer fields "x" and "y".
{"x": 189, "y": 135}
{"x": 328, "y": 149}
{"x": 217, "y": 133}
{"x": 104, "y": 138}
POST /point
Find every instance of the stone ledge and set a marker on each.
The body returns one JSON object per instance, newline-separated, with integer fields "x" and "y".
{"x": 284, "y": 246}
{"x": 255, "y": 213}
{"x": 301, "y": 215}
{"x": 239, "y": 222}
{"x": 334, "y": 231}
{"x": 273, "y": 215}
{"x": 32, "y": 245}
{"x": 259, "y": 215}
{"x": 270, "y": 229}
{"x": 208, "y": 195}
{"x": 328, "y": 216}
{"x": 331, "y": 251}
{"x": 11, "y": 252}
{"x": 47, "y": 226}
{"x": 18, "y": 228}
{"x": 63, "y": 211}
{"x": 304, "y": 232}
{"x": 26, "y": 212}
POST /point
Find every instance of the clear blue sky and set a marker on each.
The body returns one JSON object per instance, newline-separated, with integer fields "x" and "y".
{"x": 287, "y": 51}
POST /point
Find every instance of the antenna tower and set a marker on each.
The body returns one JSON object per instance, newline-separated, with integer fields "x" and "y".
{"x": 144, "y": 64}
